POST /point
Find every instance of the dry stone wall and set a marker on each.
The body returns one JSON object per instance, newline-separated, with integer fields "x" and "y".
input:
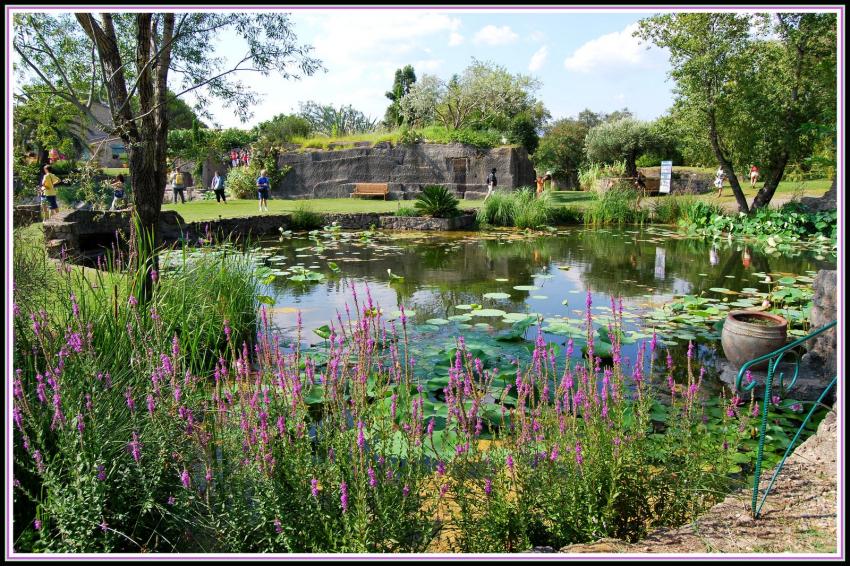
{"x": 405, "y": 168}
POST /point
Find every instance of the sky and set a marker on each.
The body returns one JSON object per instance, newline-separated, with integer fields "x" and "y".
{"x": 585, "y": 59}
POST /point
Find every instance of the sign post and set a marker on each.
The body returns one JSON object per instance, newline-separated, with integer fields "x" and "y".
{"x": 666, "y": 175}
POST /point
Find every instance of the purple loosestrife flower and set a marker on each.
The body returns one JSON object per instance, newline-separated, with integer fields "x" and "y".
{"x": 361, "y": 438}
{"x": 278, "y": 528}
{"x": 36, "y": 525}
{"x": 441, "y": 468}
{"x": 177, "y": 394}
{"x": 101, "y": 472}
{"x": 171, "y": 500}
{"x": 405, "y": 491}
{"x": 755, "y": 412}
{"x": 154, "y": 315}
{"x": 39, "y": 461}
{"x": 509, "y": 462}
{"x": 393, "y": 405}
{"x": 184, "y": 478}
{"x": 103, "y": 525}
{"x": 579, "y": 459}
{"x": 19, "y": 422}
{"x": 443, "y": 489}
{"x": 725, "y": 445}
{"x": 135, "y": 447}
{"x": 131, "y": 404}
{"x": 775, "y": 399}
{"x": 343, "y": 496}
{"x": 488, "y": 486}
{"x": 132, "y": 301}
{"x": 314, "y": 487}
{"x": 154, "y": 275}
{"x": 796, "y": 407}
{"x": 151, "y": 404}
{"x": 554, "y": 455}
{"x": 81, "y": 426}
{"x": 89, "y": 404}
{"x": 373, "y": 481}
{"x": 748, "y": 376}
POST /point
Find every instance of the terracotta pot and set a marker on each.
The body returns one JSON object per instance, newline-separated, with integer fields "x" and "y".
{"x": 750, "y": 334}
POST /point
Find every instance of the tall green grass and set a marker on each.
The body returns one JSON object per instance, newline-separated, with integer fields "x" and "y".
{"x": 305, "y": 218}
{"x": 520, "y": 208}
{"x": 617, "y": 205}
{"x": 670, "y": 209}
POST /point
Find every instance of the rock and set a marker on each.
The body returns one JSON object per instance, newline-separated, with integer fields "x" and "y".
{"x": 810, "y": 380}
{"x": 406, "y": 168}
{"x": 602, "y": 545}
{"x": 822, "y": 349}
{"x": 462, "y": 222}
{"x": 545, "y": 549}
{"x": 829, "y": 201}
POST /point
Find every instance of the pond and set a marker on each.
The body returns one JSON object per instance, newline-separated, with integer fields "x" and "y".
{"x": 493, "y": 287}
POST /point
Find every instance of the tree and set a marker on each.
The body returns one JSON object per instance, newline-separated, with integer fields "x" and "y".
{"x": 624, "y": 139}
{"x": 561, "y": 149}
{"x": 328, "y": 120}
{"x": 404, "y": 80}
{"x": 592, "y": 119}
{"x": 283, "y": 128}
{"x": 758, "y": 87}
{"x": 42, "y": 122}
{"x": 484, "y": 96}
{"x": 125, "y": 55}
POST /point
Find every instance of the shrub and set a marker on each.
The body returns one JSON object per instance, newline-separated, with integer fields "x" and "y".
{"x": 567, "y": 215}
{"x": 408, "y": 136}
{"x": 305, "y": 218}
{"x": 438, "y": 202}
{"x": 63, "y": 168}
{"x": 242, "y": 182}
{"x": 498, "y": 209}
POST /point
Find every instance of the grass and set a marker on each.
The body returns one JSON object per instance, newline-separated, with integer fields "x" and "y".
{"x": 115, "y": 171}
{"x": 197, "y": 211}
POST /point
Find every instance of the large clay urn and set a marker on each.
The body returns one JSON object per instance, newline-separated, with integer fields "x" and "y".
{"x": 749, "y": 334}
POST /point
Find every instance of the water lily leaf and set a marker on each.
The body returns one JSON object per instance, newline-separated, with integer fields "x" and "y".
{"x": 460, "y": 318}
{"x": 488, "y": 312}
{"x": 333, "y": 266}
{"x": 497, "y": 296}
{"x": 526, "y": 288}
{"x": 323, "y": 331}
{"x": 437, "y": 321}
{"x": 787, "y": 281}
{"x": 265, "y": 299}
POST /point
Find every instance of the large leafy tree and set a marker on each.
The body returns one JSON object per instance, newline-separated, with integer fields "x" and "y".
{"x": 561, "y": 149}
{"x": 761, "y": 88}
{"x": 404, "y": 80}
{"x": 84, "y": 56}
{"x": 484, "y": 96}
{"x": 624, "y": 139}
{"x": 42, "y": 121}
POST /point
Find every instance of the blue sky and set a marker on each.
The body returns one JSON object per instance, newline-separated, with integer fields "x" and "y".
{"x": 583, "y": 59}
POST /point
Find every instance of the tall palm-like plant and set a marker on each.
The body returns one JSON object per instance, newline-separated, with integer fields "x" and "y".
{"x": 438, "y": 202}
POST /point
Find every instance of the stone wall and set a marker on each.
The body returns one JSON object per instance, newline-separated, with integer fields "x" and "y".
{"x": 681, "y": 183}
{"x": 25, "y": 214}
{"x": 405, "y": 168}
{"x": 464, "y": 221}
{"x": 829, "y": 201}
{"x": 822, "y": 349}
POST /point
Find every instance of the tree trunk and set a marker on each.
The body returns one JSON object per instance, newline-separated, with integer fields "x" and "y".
{"x": 740, "y": 198}
{"x": 774, "y": 173}
{"x": 631, "y": 166}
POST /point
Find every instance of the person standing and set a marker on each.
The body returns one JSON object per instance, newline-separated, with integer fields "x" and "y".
{"x": 491, "y": 183}
{"x": 234, "y": 158}
{"x": 754, "y": 175}
{"x": 719, "y": 177}
{"x": 540, "y": 181}
{"x": 117, "y": 191}
{"x": 48, "y": 192}
{"x": 263, "y": 191}
{"x": 178, "y": 185}
{"x": 217, "y": 186}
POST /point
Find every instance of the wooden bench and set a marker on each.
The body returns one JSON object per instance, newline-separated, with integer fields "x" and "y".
{"x": 371, "y": 190}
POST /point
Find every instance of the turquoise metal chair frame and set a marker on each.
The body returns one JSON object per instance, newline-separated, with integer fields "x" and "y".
{"x": 773, "y": 359}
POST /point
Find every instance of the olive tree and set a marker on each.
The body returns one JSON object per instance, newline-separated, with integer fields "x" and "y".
{"x": 624, "y": 139}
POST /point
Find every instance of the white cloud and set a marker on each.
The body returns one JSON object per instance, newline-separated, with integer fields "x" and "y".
{"x": 455, "y": 39}
{"x": 538, "y": 36}
{"x": 615, "y": 50}
{"x": 538, "y": 59}
{"x": 620, "y": 97}
{"x": 492, "y": 35}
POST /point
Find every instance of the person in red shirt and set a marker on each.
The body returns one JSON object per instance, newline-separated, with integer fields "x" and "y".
{"x": 754, "y": 176}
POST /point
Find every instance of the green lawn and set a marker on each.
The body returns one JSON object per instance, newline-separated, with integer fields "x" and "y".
{"x": 196, "y": 211}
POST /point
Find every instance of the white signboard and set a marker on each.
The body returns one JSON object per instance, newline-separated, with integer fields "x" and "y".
{"x": 660, "y": 261}
{"x": 666, "y": 175}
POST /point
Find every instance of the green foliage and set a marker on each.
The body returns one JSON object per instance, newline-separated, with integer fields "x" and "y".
{"x": 670, "y": 209}
{"x": 241, "y": 182}
{"x": 590, "y": 174}
{"x": 331, "y": 121}
{"x": 404, "y": 80}
{"x": 436, "y": 201}
{"x": 759, "y": 83}
{"x": 624, "y": 139}
{"x": 406, "y": 211}
{"x": 520, "y": 208}
{"x": 305, "y": 218}
{"x": 27, "y": 177}
{"x": 617, "y": 205}
{"x": 282, "y": 129}
{"x": 484, "y": 96}
{"x": 478, "y": 138}
{"x": 561, "y": 150}
{"x": 523, "y": 131}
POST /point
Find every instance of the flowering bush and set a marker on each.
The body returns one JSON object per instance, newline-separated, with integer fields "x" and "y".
{"x": 265, "y": 448}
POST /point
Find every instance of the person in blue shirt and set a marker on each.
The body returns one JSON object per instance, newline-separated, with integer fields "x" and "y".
{"x": 263, "y": 191}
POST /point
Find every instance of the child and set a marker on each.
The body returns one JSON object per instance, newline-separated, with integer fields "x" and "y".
{"x": 118, "y": 191}
{"x": 48, "y": 192}
{"x": 263, "y": 191}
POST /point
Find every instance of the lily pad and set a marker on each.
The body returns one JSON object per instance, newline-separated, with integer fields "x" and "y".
{"x": 488, "y": 312}
{"x": 497, "y": 296}
{"x": 526, "y": 288}
{"x": 437, "y": 321}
